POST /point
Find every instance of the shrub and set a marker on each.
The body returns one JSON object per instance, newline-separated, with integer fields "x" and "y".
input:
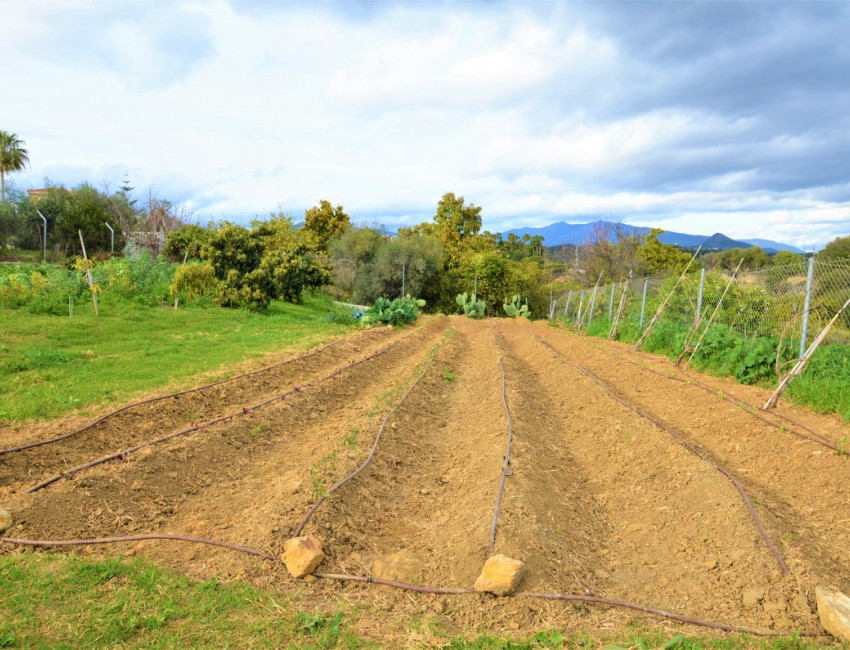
{"x": 393, "y": 312}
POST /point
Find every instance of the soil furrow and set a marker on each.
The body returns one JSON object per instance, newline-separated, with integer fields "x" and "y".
{"x": 228, "y": 470}
{"x": 157, "y": 419}
{"x": 679, "y": 536}
{"x": 799, "y": 485}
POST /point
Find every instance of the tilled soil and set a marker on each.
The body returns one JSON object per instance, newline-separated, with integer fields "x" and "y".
{"x": 599, "y": 500}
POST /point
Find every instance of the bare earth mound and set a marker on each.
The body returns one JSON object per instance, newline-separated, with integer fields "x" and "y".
{"x": 600, "y": 499}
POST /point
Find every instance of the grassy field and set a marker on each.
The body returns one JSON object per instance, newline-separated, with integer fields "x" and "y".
{"x": 60, "y": 601}
{"x": 50, "y": 365}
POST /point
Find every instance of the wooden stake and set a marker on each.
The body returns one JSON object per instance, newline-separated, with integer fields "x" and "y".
{"x": 88, "y": 275}
{"x": 664, "y": 304}
{"x": 710, "y": 321}
{"x": 613, "y": 333}
{"x": 801, "y": 364}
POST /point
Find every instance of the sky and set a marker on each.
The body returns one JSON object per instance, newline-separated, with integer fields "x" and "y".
{"x": 695, "y": 117}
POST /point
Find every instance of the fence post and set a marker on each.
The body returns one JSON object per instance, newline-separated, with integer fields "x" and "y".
{"x": 567, "y": 306}
{"x": 580, "y": 304}
{"x": 807, "y": 306}
{"x": 643, "y": 304}
{"x": 611, "y": 302}
{"x": 699, "y": 297}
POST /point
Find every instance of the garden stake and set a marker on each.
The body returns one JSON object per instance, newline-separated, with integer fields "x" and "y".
{"x": 664, "y": 304}
{"x": 801, "y": 364}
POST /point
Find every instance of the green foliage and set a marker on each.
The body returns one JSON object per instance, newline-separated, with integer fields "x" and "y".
{"x": 325, "y": 222}
{"x": 838, "y": 248}
{"x": 655, "y": 257}
{"x": 516, "y": 310}
{"x": 455, "y": 223}
{"x": 471, "y": 305}
{"x": 186, "y": 243}
{"x": 393, "y": 312}
{"x": 13, "y": 158}
{"x": 193, "y": 281}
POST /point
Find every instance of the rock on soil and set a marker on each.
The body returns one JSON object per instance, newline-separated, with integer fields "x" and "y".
{"x": 402, "y": 566}
{"x": 501, "y": 575}
{"x": 834, "y": 612}
{"x": 302, "y": 555}
{"x": 5, "y": 521}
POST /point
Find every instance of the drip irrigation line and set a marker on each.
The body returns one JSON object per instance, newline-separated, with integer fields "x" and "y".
{"x": 137, "y": 538}
{"x": 752, "y": 409}
{"x": 507, "y": 463}
{"x": 151, "y": 400}
{"x": 654, "y": 612}
{"x": 687, "y": 445}
{"x": 610, "y": 602}
{"x": 372, "y": 452}
{"x": 121, "y": 455}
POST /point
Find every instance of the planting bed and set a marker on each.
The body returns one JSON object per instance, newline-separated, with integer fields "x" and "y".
{"x": 637, "y": 504}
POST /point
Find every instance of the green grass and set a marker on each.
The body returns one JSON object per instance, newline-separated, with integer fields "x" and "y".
{"x": 67, "y": 601}
{"x": 50, "y": 365}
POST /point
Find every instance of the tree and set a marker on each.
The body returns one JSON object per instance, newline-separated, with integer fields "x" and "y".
{"x": 838, "y": 247}
{"x": 325, "y": 222}
{"x": 656, "y": 257}
{"x": 455, "y": 224}
{"x": 785, "y": 258}
{"x": 613, "y": 254}
{"x": 13, "y": 158}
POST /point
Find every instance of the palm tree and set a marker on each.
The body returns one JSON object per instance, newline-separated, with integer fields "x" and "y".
{"x": 13, "y": 158}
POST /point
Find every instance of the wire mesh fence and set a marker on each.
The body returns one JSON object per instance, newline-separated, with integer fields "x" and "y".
{"x": 791, "y": 302}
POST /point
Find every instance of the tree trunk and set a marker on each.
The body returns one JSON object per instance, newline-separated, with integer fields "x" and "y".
{"x": 2, "y": 184}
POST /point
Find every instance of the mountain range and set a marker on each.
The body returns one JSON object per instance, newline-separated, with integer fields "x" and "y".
{"x": 562, "y": 232}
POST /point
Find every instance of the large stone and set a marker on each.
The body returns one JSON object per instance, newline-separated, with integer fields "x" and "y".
{"x": 402, "y": 566}
{"x": 834, "y": 612}
{"x": 501, "y": 575}
{"x": 302, "y": 555}
{"x": 5, "y": 521}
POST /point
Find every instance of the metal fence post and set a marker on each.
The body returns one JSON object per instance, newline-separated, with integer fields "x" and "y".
{"x": 643, "y": 303}
{"x": 699, "y": 297}
{"x": 809, "y": 282}
{"x": 611, "y": 302}
{"x": 567, "y": 306}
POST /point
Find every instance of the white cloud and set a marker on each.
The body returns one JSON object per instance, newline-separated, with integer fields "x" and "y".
{"x": 534, "y": 113}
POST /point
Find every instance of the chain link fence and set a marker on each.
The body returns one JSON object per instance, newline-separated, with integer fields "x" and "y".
{"x": 792, "y": 302}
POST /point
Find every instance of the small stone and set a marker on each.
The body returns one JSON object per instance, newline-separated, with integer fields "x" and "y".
{"x": 440, "y": 607}
{"x": 774, "y": 608}
{"x": 501, "y": 575}
{"x": 709, "y": 565}
{"x": 310, "y": 579}
{"x": 602, "y": 574}
{"x": 302, "y": 555}
{"x": 834, "y": 612}
{"x": 752, "y": 596}
{"x": 401, "y": 566}
{"x": 5, "y": 521}
{"x": 513, "y": 625}
{"x": 137, "y": 485}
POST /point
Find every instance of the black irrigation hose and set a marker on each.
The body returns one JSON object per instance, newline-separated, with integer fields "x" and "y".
{"x": 371, "y": 455}
{"x": 507, "y": 463}
{"x": 687, "y": 445}
{"x": 121, "y": 455}
{"x": 136, "y": 538}
{"x": 655, "y": 612}
{"x": 451, "y": 591}
{"x": 151, "y": 400}
{"x": 752, "y": 409}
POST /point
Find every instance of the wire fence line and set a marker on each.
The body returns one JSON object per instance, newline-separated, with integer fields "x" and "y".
{"x": 793, "y": 302}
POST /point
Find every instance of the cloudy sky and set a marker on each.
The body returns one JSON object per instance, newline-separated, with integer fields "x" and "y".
{"x": 696, "y": 117}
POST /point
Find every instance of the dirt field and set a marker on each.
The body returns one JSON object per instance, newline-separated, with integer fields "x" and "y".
{"x": 599, "y": 500}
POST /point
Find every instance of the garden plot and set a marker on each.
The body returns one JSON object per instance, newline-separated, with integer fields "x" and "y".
{"x": 600, "y": 501}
